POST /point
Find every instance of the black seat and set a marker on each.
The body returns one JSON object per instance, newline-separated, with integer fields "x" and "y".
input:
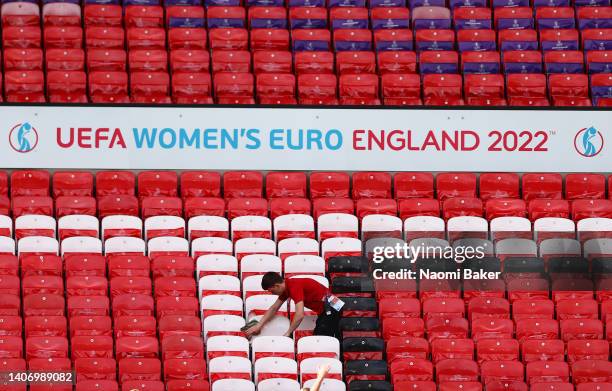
{"x": 370, "y": 385}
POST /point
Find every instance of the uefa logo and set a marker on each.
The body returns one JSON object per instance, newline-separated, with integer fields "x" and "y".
{"x": 23, "y": 137}
{"x": 588, "y": 142}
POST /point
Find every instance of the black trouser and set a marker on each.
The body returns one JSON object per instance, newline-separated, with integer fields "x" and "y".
{"x": 328, "y": 322}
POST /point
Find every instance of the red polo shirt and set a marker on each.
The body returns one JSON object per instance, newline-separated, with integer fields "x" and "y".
{"x": 308, "y": 290}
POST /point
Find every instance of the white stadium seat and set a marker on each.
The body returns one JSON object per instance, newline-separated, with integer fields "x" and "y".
{"x": 7, "y": 245}
{"x": 318, "y": 346}
{"x": 211, "y": 245}
{"x": 251, "y": 227}
{"x": 229, "y": 367}
{"x": 337, "y": 225}
{"x": 208, "y": 226}
{"x": 377, "y": 225}
{"x": 233, "y": 385}
{"x": 294, "y": 246}
{"x": 221, "y": 305}
{"x": 123, "y": 245}
{"x": 217, "y": 264}
{"x": 259, "y": 264}
{"x": 424, "y": 227}
{"x": 227, "y": 345}
{"x": 594, "y": 227}
{"x": 81, "y": 244}
{"x": 467, "y": 227}
{"x": 120, "y": 225}
{"x": 510, "y": 227}
{"x": 328, "y": 385}
{"x": 168, "y": 245}
{"x": 553, "y": 227}
{"x": 157, "y": 226}
{"x": 293, "y": 226}
{"x": 37, "y": 245}
{"x": 249, "y": 246}
{"x": 304, "y": 264}
{"x": 35, "y": 225}
{"x": 273, "y": 346}
{"x": 252, "y": 286}
{"x": 216, "y": 284}
{"x": 275, "y": 367}
{"x": 78, "y": 225}
{"x": 340, "y": 247}
{"x": 278, "y": 384}
{"x": 222, "y": 324}
{"x": 6, "y": 226}
{"x": 310, "y": 366}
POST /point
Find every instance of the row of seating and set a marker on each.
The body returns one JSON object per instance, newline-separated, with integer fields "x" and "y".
{"x": 328, "y": 247}
{"x": 355, "y": 368}
{"x": 359, "y": 3}
{"x": 297, "y": 226}
{"x": 254, "y": 17}
{"x": 303, "y": 40}
{"x": 533, "y": 89}
{"x": 59, "y": 62}
{"x": 242, "y": 184}
{"x": 239, "y": 207}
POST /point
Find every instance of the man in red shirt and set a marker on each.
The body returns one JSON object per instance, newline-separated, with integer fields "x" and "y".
{"x": 306, "y": 293}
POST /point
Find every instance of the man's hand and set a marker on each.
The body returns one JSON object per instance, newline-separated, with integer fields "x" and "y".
{"x": 253, "y": 330}
{"x": 322, "y": 372}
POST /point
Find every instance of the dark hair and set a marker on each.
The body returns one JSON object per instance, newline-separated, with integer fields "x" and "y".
{"x": 270, "y": 279}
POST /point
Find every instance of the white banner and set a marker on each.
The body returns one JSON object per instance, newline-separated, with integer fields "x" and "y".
{"x": 304, "y": 139}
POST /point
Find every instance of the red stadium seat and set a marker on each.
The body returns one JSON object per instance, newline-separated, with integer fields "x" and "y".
{"x": 187, "y": 38}
{"x": 104, "y": 37}
{"x": 317, "y": 88}
{"x": 144, "y": 16}
{"x": 146, "y": 38}
{"x": 188, "y": 60}
{"x": 355, "y": 62}
{"x": 192, "y": 88}
{"x": 102, "y": 15}
{"x": 237, "y": 88}
{"x": 21, "y": 37}
{"x": 108, "y": 86}
{"x": 588, "y": 186}
{"x": 118, "y": 205}
{"x": 269, "y": 39}
{"x": 441, "y": 89}
{"x": 143, "y": 60}
{"x": 276, "y": 88}
{"x": 402, "y": 62}
{"x": 411, "y": 369}
{"x": 228, "y": 38}
{"x": 582, "y": 209}
{"x": 103, "y": 59}
{"x": 23, "y": 59}
{"x": 207, "y": 206}
{"x": 277, "y": 61}
{"x": 401, "y": 89}
{"x": 358, "y": 89}
{"x": 484, "y": 86}
{"x": 150, "y": 87}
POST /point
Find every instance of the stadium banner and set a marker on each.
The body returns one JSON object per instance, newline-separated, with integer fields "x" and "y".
{"x": 304, "y": 139}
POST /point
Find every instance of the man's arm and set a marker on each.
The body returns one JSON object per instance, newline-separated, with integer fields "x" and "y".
{"x": 298, "y": 317}
{"x": 266, "y": 318}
